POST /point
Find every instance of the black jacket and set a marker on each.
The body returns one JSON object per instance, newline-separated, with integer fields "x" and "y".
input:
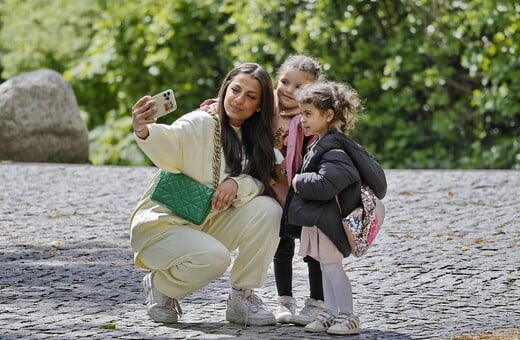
{"x": 328, "y": 172}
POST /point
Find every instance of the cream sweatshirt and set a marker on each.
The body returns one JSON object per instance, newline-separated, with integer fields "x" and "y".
{"x": 184, "y": 146}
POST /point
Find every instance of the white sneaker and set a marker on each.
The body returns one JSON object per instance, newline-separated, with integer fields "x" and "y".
{"x": 345, "y": 324}
{"x": 309, "y": 312}
{"x": 161, "y": 308}
{"x": 286, "y": 309}
{"x": 323, "y": 321}
{"x": 249, "y": 309}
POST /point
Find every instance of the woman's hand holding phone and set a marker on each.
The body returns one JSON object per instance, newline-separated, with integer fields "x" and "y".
{"x": 147, "y": 109}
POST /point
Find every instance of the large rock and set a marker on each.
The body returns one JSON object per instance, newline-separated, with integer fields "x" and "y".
{"x": 40, "y": 120}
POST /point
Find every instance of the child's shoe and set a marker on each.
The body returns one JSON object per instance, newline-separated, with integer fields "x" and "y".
{"x": 345, "y": 324}
{"x": 308, "y": 313}
{"x": 286, "y": 309}
{"x": 323, "y": 321}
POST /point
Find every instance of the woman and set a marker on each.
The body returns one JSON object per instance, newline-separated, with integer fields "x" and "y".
{"x": 183, "y": 257}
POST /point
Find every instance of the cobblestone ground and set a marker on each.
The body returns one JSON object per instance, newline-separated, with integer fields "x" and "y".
{"x": 446, "y": 263}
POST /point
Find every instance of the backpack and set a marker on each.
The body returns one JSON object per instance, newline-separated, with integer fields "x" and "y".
{"x": 363, "y": 223}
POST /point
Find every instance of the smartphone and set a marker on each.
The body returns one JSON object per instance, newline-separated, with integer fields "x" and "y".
{"x": 165, "y": 102}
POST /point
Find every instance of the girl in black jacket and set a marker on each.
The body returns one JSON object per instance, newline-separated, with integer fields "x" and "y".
{"x": 334, "y": 165}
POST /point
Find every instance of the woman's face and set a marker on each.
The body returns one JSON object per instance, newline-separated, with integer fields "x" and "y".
{"x": 290, "y": 79}
{"x": 242, "y": 98}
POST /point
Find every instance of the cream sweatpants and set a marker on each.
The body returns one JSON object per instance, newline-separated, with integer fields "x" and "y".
{"x": 184, "y": 259}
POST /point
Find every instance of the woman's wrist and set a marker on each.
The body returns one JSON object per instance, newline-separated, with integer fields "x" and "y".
{"x": 139, "y": 133}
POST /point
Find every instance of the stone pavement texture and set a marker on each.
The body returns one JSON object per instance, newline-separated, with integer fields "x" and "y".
{"x": 445, "y": 264}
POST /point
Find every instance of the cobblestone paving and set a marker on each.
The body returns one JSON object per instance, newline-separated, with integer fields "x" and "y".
{"x": 446, "y": 262}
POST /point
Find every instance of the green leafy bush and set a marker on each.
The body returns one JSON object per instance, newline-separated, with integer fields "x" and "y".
{"x": 440, "y": 79}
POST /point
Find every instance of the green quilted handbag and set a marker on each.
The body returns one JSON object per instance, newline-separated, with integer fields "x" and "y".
{"x": 183, "y": 195}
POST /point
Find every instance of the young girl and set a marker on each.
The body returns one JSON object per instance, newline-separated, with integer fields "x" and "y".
{"x": 331, "y": 167}
{"x": 291, "y": 141}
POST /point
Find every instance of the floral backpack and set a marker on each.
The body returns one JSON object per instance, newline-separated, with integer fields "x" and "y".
{"x": 363, "y": 223}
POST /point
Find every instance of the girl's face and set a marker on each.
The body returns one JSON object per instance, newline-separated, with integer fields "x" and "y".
{"x": 290, "y": 79}
{"x": 242, "y": 98}
{"x": 315, "y": 122}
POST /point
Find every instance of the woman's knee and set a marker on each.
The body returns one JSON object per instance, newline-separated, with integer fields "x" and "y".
{"x": 266, "y": 204}
{"x": 220, "y": 259}
{"x": 267, "y": 212}
{"x": 201, "y": 266}
{"x": 216, "y": 258}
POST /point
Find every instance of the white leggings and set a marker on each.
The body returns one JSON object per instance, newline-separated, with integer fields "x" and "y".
{"x": 337, "y": 291}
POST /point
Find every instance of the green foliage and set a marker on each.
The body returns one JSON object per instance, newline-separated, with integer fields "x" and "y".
{"x": 144, "y": 47}
{"x": 440, "y": 79}
{"x": 44, "y": 34}
{"x": 112, "y": 142}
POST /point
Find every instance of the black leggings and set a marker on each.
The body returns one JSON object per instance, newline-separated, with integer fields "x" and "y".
{"x": 283, "y": 270}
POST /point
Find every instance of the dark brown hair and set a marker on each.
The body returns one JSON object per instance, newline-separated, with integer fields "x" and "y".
{"x": 343, "y": 100}
{"x": 257, "y": 130}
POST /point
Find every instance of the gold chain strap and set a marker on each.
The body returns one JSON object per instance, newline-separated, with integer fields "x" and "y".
{"x": 216, "y": 150}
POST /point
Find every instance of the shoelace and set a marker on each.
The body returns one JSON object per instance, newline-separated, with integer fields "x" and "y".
{"x": 253, "y": 302}
{"x": 175, "y": 305}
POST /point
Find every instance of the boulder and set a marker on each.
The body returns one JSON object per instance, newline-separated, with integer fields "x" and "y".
{"x": 40, "y": 120}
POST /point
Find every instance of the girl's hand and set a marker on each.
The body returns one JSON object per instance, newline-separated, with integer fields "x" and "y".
{"x": 293, "y": 182}
{"x": 141, "y": 111}
{"x": 224, "y": 195}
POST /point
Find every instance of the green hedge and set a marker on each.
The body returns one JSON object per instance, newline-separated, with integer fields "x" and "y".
{"x": 440, "y": 79}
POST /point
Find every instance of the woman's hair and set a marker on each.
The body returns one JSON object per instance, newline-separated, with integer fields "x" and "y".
{"x": 303, "y": 63}
{"x": 257, "y": 130}
{"x": 343, "y": 100}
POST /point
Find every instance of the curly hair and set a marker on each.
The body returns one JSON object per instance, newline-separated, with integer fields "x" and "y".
{"x": 342, "y": 99}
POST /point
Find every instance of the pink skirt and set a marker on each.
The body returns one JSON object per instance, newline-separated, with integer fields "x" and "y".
{"x": 314, "y": 243}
